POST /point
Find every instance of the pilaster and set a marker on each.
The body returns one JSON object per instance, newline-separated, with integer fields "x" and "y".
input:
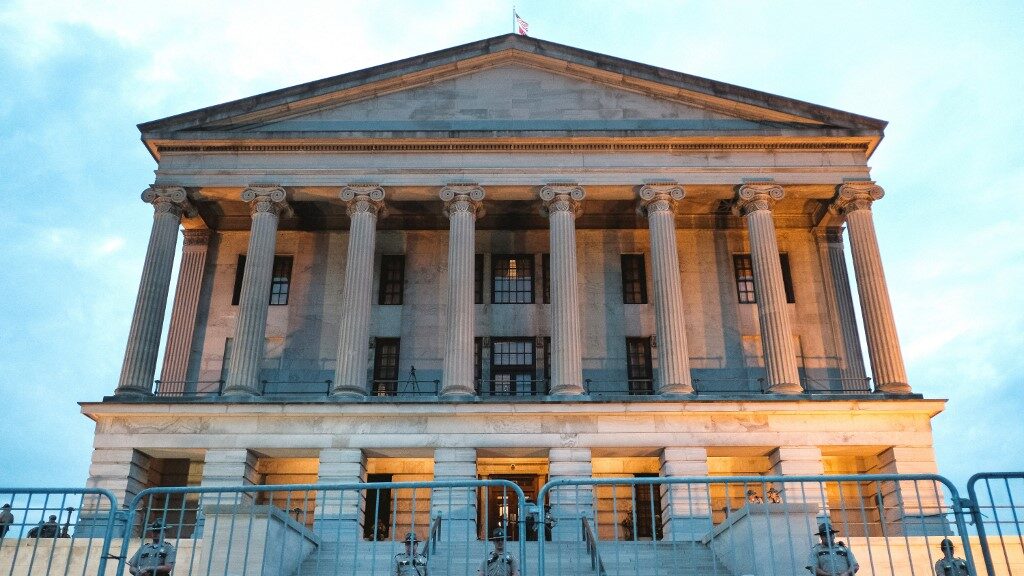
{"x": 685, "y": 508}
{"x": 562, "y": 204}
{"x": 853, "y": 201}
{"x": 462, "y": 205}
{"x": 456, "y": 506}
{"x": 570, "y": 503}
{"x": 266, "y": 204}
{"x": 911, "y": 507}
{"x": 339, "y": 513}
{"x": 799, "y": 461}
{"x": 657, "y": 203}
{"x": 365, "y": 203}
{"x": 139, "y": 367}
{"x": 174, "y": 374}
{"x": 229, "y": 467}
{"x": 754, "y": 202}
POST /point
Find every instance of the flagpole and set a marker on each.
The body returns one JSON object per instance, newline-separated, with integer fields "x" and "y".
{"x": 513, "y": 18}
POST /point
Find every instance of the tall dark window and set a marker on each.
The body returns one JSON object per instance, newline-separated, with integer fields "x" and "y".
{"x": 512, "y": 367}
{"x": 385, "y": 366}
{"x": 478, "y": 279}
{"x": 545, "y": 265}
{"x": 634, "y": 279}
{"x": 512, "y": 279}
{"x": 280, "y": 284}
{"x": 639, "y": 367}
{"x": 478, "y": 361}
{"x": 743, "y": 265}
{"x": 392, "y": 279}
{"x": 547, "y": 362}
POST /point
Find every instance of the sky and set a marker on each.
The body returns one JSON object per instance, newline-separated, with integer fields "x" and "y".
{"x": 79, "y": 75}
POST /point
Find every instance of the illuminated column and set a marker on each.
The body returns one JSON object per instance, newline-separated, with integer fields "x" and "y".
{"x": 169, "y": 203}
{"x": 658, "y": 202}
{"x": 562, "y": 205}
{"x": 853, "y": 201}
{"x": 754, "y": 202}
{"x": 799, "y": 461}
{"x": 183, "y": 315}
{"x": 265, "y": 205}
{"x": 685, "y": 508}
{"x": 837, "y": 284}
{"x": 365, "y": 204}
{"x": 462, "y": 206}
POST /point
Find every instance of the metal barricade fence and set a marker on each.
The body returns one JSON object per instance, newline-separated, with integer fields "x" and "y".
{"x": 46, "y": 531}
{"x": 324, "y": 529}
{"x": 763, "y": 525}
{"x": 998, "y": 511}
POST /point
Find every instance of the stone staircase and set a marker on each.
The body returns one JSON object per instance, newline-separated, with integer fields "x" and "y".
{"x": 560, "y": 559}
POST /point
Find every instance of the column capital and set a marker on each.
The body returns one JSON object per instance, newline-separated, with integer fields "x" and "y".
{"x": 562, "y": 197}
{"x": 659, "y": 197}
{"x": 169, "y": 200}
{"x": 364, "y": 199}
{"x": 196, "y": 236}
{"x": 829, "y": 234}
{"x": 753, "y": 197}
{"x": 462, "y": 197}
{"x": 855, "y": 195}
{"x": 266, "y": 200}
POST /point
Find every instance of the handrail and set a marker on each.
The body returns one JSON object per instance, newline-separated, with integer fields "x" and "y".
{"x": 389, "y": 388}
{"x": 537, "y": 387}
{"x": 591, "y": 542}
{"x": 633, "y": 387}
{"x": 433, "y": 537}
{"x": 160, "y": 388}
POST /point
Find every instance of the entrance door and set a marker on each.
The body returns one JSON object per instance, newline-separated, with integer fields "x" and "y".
{"x": 502, "y": 508}
{"x": 377, "y": 518}
{"x": 648, "y": 508}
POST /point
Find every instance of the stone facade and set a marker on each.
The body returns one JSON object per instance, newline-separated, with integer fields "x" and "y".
{"x": 512, "y": 251}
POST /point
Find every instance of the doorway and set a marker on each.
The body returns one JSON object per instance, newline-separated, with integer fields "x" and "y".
{"x": 648, "y": 508}
{"x": 502, "y": 505}
{"x": 377, "y": 513}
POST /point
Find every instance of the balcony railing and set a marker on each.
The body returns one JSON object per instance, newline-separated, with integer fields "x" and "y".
{"x": 394, "y": 388}
{"x": 632, "y": 387}
{"x": 512, "y": 388}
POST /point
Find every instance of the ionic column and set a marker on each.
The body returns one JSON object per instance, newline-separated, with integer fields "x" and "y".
{"x": 365, "y": 204}
{"x": 183, "y": 315}
{"x": 754, "y": 202}
{"x": 265, "y": 205}
{"x": 462, "y": 206}
{"x": 657, "y": 202}
{"x": 837, "y": 282}
{"x": 169, "y": 202}
{"x": 562, "y": 205}
{"x": 853, "y": 201}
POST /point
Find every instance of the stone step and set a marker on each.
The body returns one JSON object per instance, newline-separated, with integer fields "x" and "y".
{"x": 561, "y": 558}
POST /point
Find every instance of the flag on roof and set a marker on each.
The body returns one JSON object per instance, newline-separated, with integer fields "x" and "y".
{"x": 521, "y": 26}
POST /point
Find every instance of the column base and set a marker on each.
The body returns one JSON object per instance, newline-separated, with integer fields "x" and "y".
{"x": 457, "y": 393}
{"x": 679, "y": 389}
{"x": 132, "y": 392}
{"x": 785, "y": 388}
{"x": 568, "y": 390}
{"x": 348, "y": 392}
{"x": 238, "y": 393}
{"x": 893, "y": 388}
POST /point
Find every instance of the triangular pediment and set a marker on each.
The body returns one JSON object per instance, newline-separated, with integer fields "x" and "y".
{"x": 511, "y": 86}
{"x": 511, "y": 96}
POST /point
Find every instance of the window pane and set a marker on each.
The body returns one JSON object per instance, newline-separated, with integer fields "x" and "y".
{"x": 639, "y": 367}
{"x": 512, "y": 279}
{"x": 280, "y": 284}
{"x": 744, "y": 268}
{"x": 385, "y": 366}
{"x": 545, "y": 263}
{"x": 392, "y": 280}
{"x": 634, "y": 279}
{"x": 478, "y": 279}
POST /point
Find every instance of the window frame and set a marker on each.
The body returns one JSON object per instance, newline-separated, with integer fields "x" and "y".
{"x": 519, "y": 292}
{"x": 279, "y": 261}
{"x": 383, "y": 386}
{"x": 392, "y": 275}
{"x": 515, "y": 372}
{"x": 745, "y": 286}
{"x": 634, "y": 278}
{"x": 639, "y": 375}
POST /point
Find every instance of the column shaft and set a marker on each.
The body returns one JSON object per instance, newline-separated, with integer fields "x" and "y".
{"x": 837, "y": 290}
{"x": 658, "y": 203}
{"x": 183, "y": 315}
{"x": 147, "y": 322}
{"x": 562, "y": 204}
{"x": 243, "y": 378}
{"x": 755, "y": 203}
{"x": 854, "y": 201}
{"x": 462, "y": 203}
{"x": 364, "y": 204}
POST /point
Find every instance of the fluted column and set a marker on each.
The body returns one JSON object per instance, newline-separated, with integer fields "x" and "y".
{"x": 462, "y": 206}
{"x": 754, "y": 202}
{"x": 183, "y": 315}
{"x": 365, "y": 204}
{"x": 853, "y": 201}
{"x": 658, "y": 202}
{"x": 562, "y": 205}
{"x": 266, "y": 203}
{"x": 837, "y": 282}
{"x": 169, "y": 203}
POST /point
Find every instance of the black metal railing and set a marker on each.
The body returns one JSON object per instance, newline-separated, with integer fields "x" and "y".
{"x": 836, "y": 385}
{"x": 296, "y": 387}
{"x": 512, "y": 388}
{"x": 631, "y": 387}
{"x": 187, "y": 388}
{"x": 729, "y": 386}
{"x": 395, "y": 388}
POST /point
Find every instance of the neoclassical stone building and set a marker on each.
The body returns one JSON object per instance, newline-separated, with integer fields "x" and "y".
{"x": 510, "y": 259}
